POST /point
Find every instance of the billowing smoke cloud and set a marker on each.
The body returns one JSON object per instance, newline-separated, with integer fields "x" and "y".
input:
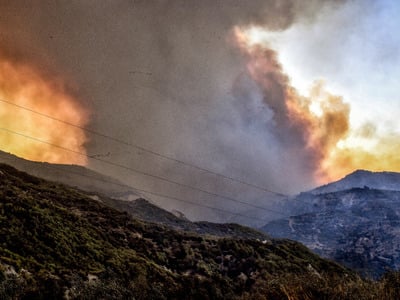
{"x": 316, "y": 126}
{"x": 164, "y": 75}
{"x": 310, "y": 126}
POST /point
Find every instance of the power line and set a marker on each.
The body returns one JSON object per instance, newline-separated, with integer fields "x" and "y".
{"x": 148, "y": 150}
{"x": 140, "y": 172}
{"x": 139, "y": 190}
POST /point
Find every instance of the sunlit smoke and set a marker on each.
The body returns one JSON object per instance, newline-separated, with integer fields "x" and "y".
{"x": 25, "y": 86}
{"x": 313, "y": 124}
{"x": 317, "y": 124}
{"x": 327, "y": 123}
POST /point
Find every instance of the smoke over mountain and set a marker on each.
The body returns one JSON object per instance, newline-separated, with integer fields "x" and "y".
{"x": 167, "y": 75}
{"x": 310, "y": 126}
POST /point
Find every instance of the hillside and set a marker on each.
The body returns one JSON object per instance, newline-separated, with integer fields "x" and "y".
{"x": 72, "y": 175}
{"x": 56, "y": 242}
{"x": 359, "y": 227}
{"x": 113, "y": 193}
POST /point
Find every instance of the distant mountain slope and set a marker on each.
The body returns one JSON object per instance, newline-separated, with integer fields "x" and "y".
{"x": 359, "y": 227}
{"x": 362, "y": 178}
{"x": 58, "y": 243}
{"x": 117, "y": 195}
{"x": 72, "y": 175}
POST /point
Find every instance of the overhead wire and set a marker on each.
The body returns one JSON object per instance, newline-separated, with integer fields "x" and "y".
{"x": 141, "y": 148}
{"x": 144, "y": 173}
{"x": 140, "y": 190}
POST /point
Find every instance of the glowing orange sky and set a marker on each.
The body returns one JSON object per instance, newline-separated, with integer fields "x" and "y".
{"x": 25, "y": 86}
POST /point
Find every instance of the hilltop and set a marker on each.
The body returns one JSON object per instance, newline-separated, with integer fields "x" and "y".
{"x": 361, "y": 179}
{"x": 72, "y": 175}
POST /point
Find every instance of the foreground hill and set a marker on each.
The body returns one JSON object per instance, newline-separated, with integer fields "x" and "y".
{"x": 359, "y": 227}
{"x": 55, "y": 242}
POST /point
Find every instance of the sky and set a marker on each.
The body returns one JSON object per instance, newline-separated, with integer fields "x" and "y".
{"x": 356, "y": 60}
{"x": 285, "y": 95}
{"x": 366, "y": 75}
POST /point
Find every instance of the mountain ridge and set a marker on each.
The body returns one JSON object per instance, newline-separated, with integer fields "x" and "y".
{"x": 383, "y": 180}
{"x": 72, "y": 175}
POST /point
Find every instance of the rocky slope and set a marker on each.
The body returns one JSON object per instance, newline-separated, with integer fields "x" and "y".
{"x": 359, "y": 227}
{"x": 55, "y": 242}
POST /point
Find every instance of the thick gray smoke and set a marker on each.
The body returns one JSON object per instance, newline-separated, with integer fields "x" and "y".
{"x": 164, "y": 75}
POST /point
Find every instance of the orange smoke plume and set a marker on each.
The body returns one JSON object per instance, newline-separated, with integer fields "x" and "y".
{"x": 314, "y": 124}
{"x": 325, "y": 120}
{"x": 318, "y": 125}
{"x": 25, "y": 86}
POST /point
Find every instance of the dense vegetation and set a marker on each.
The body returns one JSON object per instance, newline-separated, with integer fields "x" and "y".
{"x": 56, "y": 243}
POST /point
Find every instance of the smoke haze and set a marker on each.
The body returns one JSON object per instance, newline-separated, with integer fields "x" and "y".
{"x": 171, "y": 77}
